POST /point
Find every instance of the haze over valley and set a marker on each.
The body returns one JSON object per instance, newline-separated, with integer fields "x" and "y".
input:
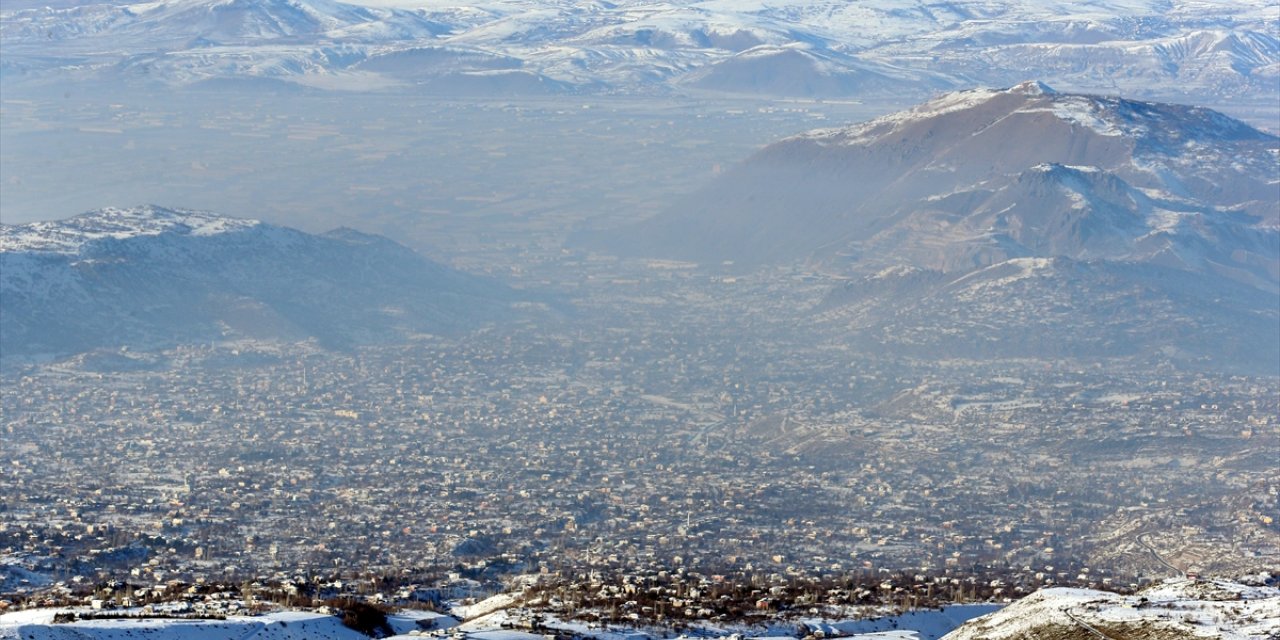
{"x": 617, "y": 321}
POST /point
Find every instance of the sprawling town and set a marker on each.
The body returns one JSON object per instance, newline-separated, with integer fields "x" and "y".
{"x": 663, "y": 427}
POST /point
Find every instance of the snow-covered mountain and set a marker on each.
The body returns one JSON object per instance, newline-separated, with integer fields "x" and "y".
{"x": 1209, "y": 51}
{"x": 977, "y": 177}
{"x": 209, "y": 23}
{"x": 150, "y": 276}
{"x": 1175, "y": 609}
{"x": 1024, "y": 221}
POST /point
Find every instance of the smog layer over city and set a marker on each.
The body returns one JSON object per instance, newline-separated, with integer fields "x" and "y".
{"x": 537, "y": 320}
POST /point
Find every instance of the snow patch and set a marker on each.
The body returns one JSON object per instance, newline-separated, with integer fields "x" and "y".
{"x": 1216, "y": 608}
{"x": 69, "y": 236}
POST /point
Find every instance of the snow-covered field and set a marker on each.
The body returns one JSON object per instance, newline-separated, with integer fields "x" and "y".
{"x": 1177, "y": 608}
{"x": 493, "y": 618}
{"x": 38, "y": 624}
{"x": 1182, "y": 607}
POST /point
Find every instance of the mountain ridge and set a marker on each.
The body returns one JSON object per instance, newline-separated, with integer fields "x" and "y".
{"x": 150, "y": 276}
{"x": 1019, "y": 222}
{"x": 946, "y": 173}
{"x": 790, "y": 48}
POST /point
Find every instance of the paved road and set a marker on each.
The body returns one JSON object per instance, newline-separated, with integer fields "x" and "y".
{"x": 1142, "y": 540}
{"x": 1085, "y": 625}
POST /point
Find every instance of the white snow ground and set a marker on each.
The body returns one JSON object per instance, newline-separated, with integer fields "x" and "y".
{"x": 1196, "y": 608}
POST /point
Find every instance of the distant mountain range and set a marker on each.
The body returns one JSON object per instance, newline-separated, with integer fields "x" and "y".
{"x": 1021, "y": 221}
{"x": 823, "y": 48}
{"x": 151, "y": 277}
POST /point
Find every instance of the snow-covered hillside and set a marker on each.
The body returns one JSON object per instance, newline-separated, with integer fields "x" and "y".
{"x": 285, "y": 625}
{"x": 1181, "y": 608}
{"x": 1176, "y": 609}
{"x": 1209, "y": 51}
{"x": 150, "y": 276}
{"x": 71, "y": 236}
{"x": 491, "y": 618}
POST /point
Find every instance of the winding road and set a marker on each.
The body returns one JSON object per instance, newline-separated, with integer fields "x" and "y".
{"x": 1085, "y": 625}
{"x": 1142, "y": 540}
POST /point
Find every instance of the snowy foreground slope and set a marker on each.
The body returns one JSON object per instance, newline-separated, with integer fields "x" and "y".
{"x": 502, "y": 611}
{"x": 275, "y": 627}
{"x": 810, "y": 48}
{"x": 1176, "y": 609}
{"x": 1173, "y": 610}
{"x": 38, "y": 625}
{"x": 495, "y": 625}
